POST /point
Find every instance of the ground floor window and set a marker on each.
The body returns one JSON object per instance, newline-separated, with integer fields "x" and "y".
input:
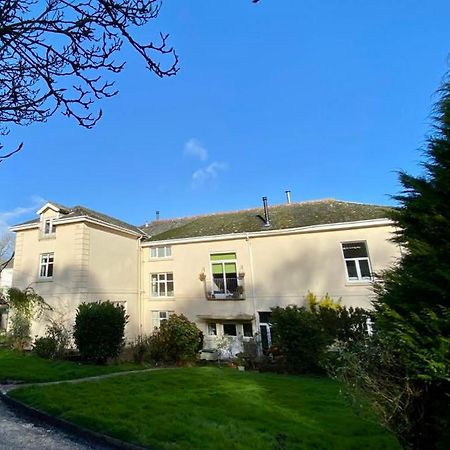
{"x": 158, "y": 317}
{"x": 212, "y": 329}
{"x": 247, "y": 329}
{"x": 229, "y": 329}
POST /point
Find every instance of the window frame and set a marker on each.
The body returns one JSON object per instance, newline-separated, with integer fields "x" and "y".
{"x": 51, "y": 227}
{"x": 234, "y": 261}
{"x": 360, "y": 278}
{"x": 158, "y": 282}
{"x": 46, "y": 265}
{"x": 167, "y": 252}
{"x": 160, "y": 319}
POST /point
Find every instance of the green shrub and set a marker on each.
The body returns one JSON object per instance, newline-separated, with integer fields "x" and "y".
{"x": 99, "y": 330}
{"x": 55, "y": 342}
{"x": 140, "y": 349}
{"x": 177, "y": 340}
{"x": 300, "y": 337}
{"x": 45, "y": 347}
{"x": 303, "y": 337}
{"x": 20, "y": 331}
{"x": 61, "y": 336}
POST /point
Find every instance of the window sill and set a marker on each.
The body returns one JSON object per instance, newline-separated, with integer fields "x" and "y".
{"x": 44, "y": 280}
{"x": 165, "y": 258}
{"x": 160, "y": 298}
{"x": 359, "y": 283}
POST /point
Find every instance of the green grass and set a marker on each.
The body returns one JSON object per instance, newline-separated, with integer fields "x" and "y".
{"x": 30, "y": 368}
{"x": 211, "y": 408}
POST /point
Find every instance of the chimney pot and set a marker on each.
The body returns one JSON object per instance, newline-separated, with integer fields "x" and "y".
{"x": 288, "y": 197}
{"x": 266, "y": 212}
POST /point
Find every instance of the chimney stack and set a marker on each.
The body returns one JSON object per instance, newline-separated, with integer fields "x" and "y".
{"x": 157, "y": 215}
{"x": 288, "y": 197}
{"x": 266, "y": 213}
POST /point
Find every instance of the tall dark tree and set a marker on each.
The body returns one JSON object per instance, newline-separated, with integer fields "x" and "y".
{"x": 55, "y": 54}
{"x": 405, "y": 368}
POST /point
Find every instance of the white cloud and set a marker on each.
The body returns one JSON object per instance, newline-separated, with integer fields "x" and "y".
{"x": 208, "y": 173}
{"x": 8, "y": 218}
{"x": 195, "y": 149}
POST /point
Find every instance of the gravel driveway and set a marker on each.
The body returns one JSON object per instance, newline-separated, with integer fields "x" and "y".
{"x": 17, "y": 433}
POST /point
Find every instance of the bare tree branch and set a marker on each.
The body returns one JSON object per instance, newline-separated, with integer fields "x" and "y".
{"x": 54, "y": 56}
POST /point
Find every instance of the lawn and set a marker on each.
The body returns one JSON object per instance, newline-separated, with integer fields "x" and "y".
{"x": 30, "y": 368}
{"x": 212, "y": 408}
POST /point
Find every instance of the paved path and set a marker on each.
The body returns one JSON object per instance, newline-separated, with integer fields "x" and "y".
{"x": 17, "y": 433}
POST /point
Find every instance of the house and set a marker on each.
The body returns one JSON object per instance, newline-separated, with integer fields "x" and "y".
{"x": 224, "y": 271}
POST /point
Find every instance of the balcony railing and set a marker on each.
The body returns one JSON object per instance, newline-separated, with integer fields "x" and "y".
{"x": 225, "y": 289}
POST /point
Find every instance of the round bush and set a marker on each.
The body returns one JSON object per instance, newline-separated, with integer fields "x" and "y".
{"x": 99, "y": 330}
{"x": 45, "y": 347}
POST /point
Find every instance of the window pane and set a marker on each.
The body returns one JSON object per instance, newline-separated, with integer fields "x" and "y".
{"x": 355, "y": 250}
{"x": 212, "y": 329}
{"x": 248, "y": 329}
{"x": 163, "y": 315}
{"x": 153, "y": 252}
{"x": 168, "y": 251}
{"x": 351, "y": 270}
{"x": 154, "y": 277}
{"x": 230, "y": 269}
{"x": 162, "y": 289}
{"x": 169, "y": 276}
{"x": 170, "y": 288}
{"x": 217, "y": 269}
{"x": 160, "y": 252}
{"x": 264, "y": 316}
{"x": 42, "y": 271}
{"x": 364, "y": 268}
{"x": 223, "y": 256}
{"x": 50, "y": 270}
{"x": 229, "y": 329}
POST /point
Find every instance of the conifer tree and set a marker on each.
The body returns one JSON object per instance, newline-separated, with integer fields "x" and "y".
{"x": 413, "y": 301}
{"x": 405, "y": 368}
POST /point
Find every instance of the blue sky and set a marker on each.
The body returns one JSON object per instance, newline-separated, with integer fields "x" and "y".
{"x": 327, "y": 99}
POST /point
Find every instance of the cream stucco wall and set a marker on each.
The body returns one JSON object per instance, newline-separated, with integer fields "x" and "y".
{"x": 279, "y": 271}
{"x": 90, "y": 263}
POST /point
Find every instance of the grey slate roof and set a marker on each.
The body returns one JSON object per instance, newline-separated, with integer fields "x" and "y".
{"x": 283, "y": 216}
{"x": 294, "y": 215}
{"x": 79, "y": 211}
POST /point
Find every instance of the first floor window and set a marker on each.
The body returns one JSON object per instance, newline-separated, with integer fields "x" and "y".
{"x": 224, "y": 273}
{"x": 160, "y": 316}
{"x": 162, "y": 284}
{"x": 357, "y": 261}
{"x": 46, "y": 265}
{"x": 161, "y": 252}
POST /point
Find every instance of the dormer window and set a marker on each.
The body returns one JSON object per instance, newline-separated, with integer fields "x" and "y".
{"x": 48, "y": 228}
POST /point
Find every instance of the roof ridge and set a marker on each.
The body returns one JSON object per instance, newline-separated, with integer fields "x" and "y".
{"x": 254, "y": 208}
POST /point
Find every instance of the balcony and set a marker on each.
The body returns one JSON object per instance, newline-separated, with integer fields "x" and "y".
{"x": 225, "y": 289}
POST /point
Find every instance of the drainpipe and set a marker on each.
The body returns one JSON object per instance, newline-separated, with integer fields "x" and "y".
{"x": 252, "y": 274}
{"x": 139, "y": 294}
